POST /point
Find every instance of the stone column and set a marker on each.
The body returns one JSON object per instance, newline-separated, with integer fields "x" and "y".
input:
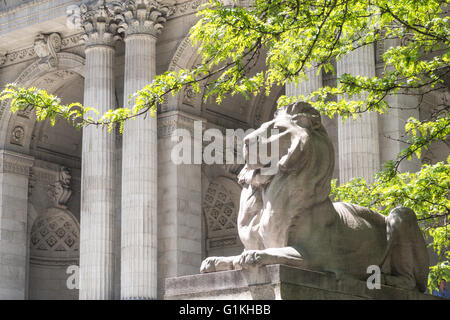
{"x": 142, "y": 23}
{"x": 358, "y": 139}
{"x": 14, "y": 173}
{"x": 305, "y": 87}
{"x": 98, "y": 157}
{"x": 392, "y": 123}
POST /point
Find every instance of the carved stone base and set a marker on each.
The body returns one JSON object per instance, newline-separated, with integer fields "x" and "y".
{"x": 281, "y": 283}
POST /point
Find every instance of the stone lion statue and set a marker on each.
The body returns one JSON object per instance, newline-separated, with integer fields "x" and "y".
{"x": 287, "y": 218}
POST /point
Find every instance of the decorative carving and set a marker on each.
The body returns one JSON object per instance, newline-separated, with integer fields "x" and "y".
{"x": 220, "y": 207}
{"x": 188, "y": 7}
{"x": 219, "y": 210}
{"x": 31, "y": 182}
{"x": 71, "y": 41}
{"x": 54, "y": 238}
{"x": 73, "y": 17}
{"x": 29, "y": 53}
{"x": 180, "y": 53}
{"x": 60, "y": 191}
{"x": 98, "y": 21}
{"x": 24, "y": 113}
{"x": 46, "y": 47}
{"x": 11, "y": 162}
{"x": 33, "y": 72}
{"x": 188, "y": 97}
{"x": 19, "y": 55}
{"x": 2, "y": 58}
{"x": 53, "y": 78}
{"x": 144, "y": 16}
{"x": 166, "y": 125}
{"x": 17, "y": 135}
{"x": 287, "y": 217}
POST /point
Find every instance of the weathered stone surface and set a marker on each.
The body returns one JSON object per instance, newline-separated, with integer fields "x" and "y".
{"x": 286, "y": 215}
{"x": 139, "y": 177}
{"x": 14, "y": 171}
{"x": 39, "y": 48}
{"x": 98, "y": 185}
{"x": 279, "y": 282}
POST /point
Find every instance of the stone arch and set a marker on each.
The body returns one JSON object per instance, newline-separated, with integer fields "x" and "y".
{"x": 220, "y": 210}
{"x": 261, "y": 108}
{"x": 185, "y": 57}
{"x": 16, "y": 129}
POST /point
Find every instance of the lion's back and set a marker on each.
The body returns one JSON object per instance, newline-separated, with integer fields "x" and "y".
{"x": 358, "y": 217}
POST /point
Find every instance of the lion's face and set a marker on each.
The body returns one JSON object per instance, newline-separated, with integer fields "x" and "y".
{"x": 274, "y": 143}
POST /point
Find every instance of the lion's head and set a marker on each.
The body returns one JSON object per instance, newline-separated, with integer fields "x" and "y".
{"x": 304, "y": 149}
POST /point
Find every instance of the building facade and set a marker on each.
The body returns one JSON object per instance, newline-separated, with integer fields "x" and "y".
{"x": 116, "y": 204}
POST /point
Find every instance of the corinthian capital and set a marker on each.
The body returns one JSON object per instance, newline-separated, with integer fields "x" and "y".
{"x": 144, "y": 16}
{"x": 99, "y": 20}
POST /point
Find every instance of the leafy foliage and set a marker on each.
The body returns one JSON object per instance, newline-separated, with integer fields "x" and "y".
{"x": 293, "y": 36}
{"x": 425, "y": 191}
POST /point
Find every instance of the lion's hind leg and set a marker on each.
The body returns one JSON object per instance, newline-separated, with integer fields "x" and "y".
{"x": 407, "y": 256}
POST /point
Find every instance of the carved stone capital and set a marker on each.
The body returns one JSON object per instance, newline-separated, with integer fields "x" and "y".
{"x": 46, "y": 46}
{"x": 98, "y": 19}
{"x": 144, "y": 16}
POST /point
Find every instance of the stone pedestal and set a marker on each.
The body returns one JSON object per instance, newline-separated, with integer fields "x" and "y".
{"x": 279, "y": 282}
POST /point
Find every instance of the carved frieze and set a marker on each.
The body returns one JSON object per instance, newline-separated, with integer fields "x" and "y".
{"x": 29, "y": 53}
{"x": 11, "y": 162}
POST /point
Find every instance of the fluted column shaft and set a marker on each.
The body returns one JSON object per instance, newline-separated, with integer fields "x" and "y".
{"x": 139, "y": 178}
{"x": 305, "y": 87}
{"x": 358, "y": 139}
{"x": 97, "y": 181}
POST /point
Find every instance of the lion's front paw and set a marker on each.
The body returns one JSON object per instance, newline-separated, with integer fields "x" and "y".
{"x": 208, "y": 265}
{"x": 214, "y": 264}
{"x": 252, "y": 258}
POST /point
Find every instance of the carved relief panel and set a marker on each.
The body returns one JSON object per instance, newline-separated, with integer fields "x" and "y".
{"x": 220, "y": 209}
